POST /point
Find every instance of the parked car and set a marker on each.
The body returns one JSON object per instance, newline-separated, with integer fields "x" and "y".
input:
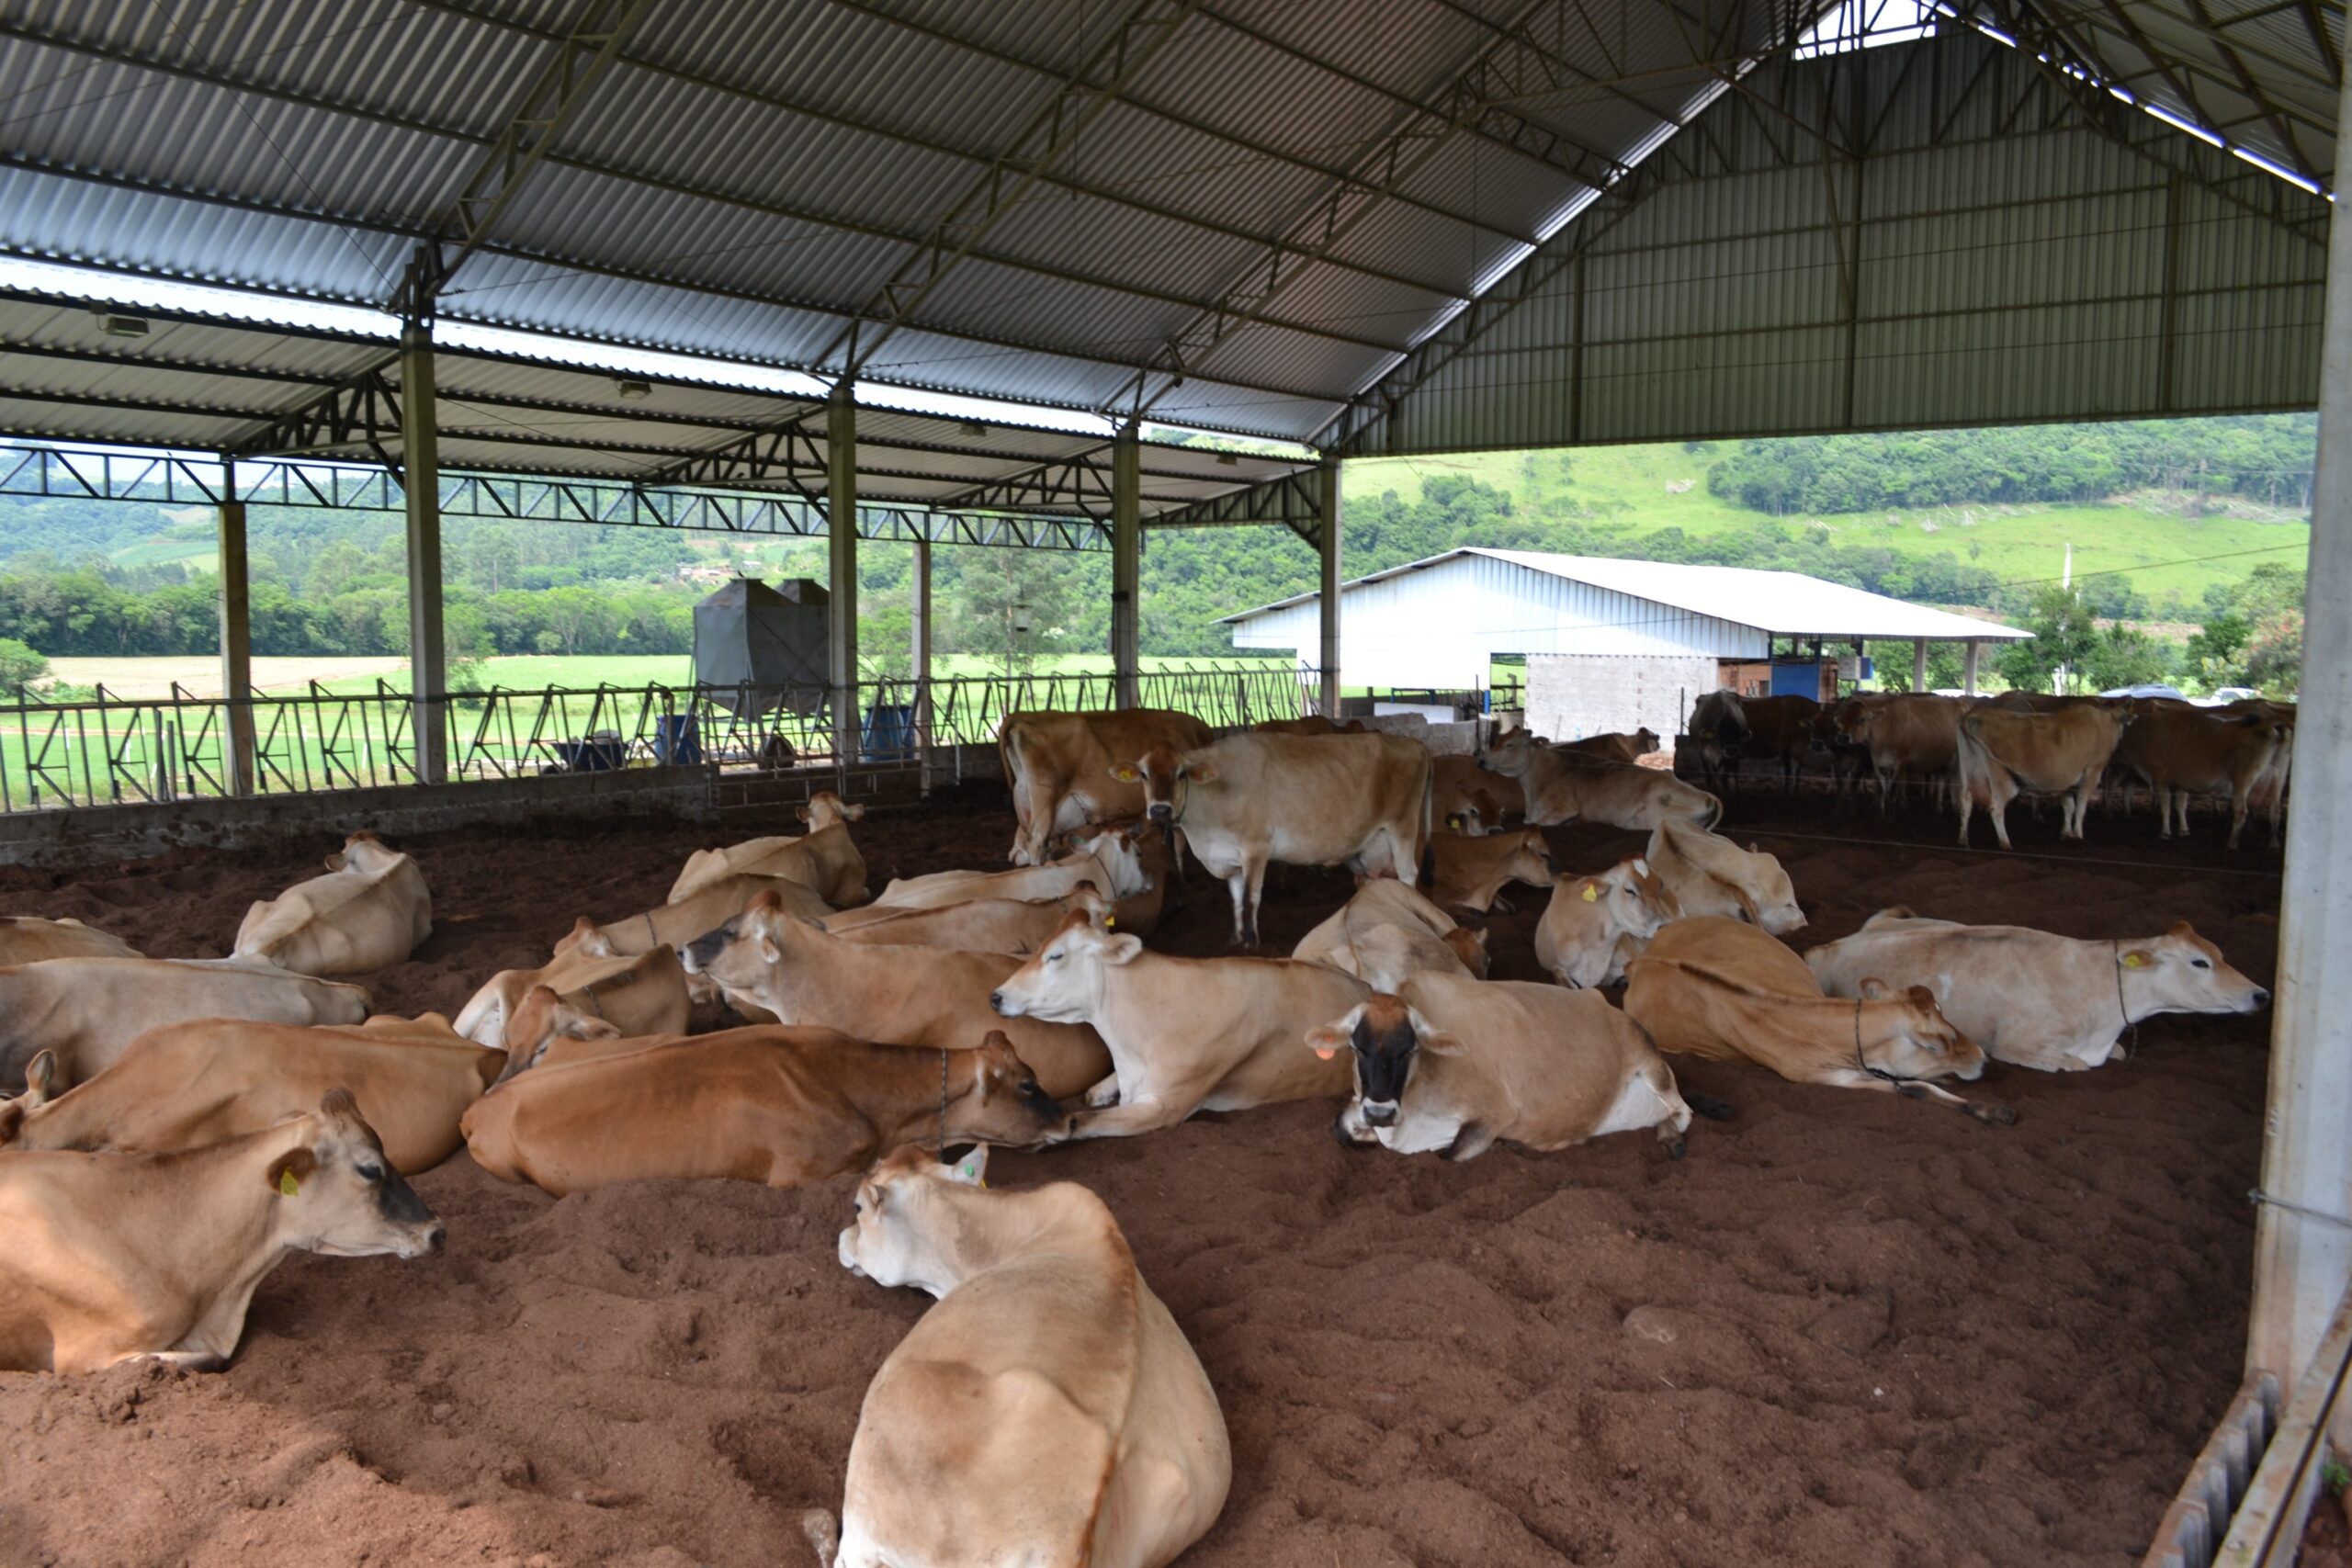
{"x": 2148, "y": 689}
{"x": 2224, "y": 695}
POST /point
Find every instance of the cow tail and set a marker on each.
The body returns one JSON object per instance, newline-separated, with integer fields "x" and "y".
{"x": 823, "y": 1533}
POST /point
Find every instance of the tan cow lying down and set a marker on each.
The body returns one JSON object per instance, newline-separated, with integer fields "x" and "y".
{"x": 1312, "y": 723}
{"x": 1058, "y": 766}
{"x": 1594, "y": 924}
{"x": 2063, "y": 751}
{"x": 1451, "y": 1065}
{"x": 187, "y": 1084}
{"x": 710, "y": 906}
{"x": 1386, "y": 904}
{"x": 29, "y": 939}
{"x": 1243, "y": 802}
{"x": 1724, "y": 991}
{"x": 1185, "y": 1034}
{"x": 641, "y": 993}
{"x": 1048, "y": 1410}
{"x": 912, "y": 996}
{"x": 823, "y": 860}
{"x": 1471, "y": 873}
{"x": 1016, "y": 927}
{"x": 370, "y": 912}
{"x": 1617, "y": 746}
{"x": 1709, "y": 874}
{"x": 1109, "y": 859}
{"x": 1567, "y": 789}
{"x": 115, "y": 1257}
{"x": 784, "y": 1106}
{"x": 2033, "y": 997}
{"x": 87, "y": 1009}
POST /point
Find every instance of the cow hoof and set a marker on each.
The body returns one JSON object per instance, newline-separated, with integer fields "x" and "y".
{"x": 1347, "y": 1139}
{"x": 1678, "y": 1148}
{"x": 1995, "y": 1115}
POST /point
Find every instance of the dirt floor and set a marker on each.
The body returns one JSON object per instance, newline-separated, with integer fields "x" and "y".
{"x": 1847, "y": 1329}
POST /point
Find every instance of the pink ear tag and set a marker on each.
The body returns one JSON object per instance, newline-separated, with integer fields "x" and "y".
{"x": 1326, "y": 1051}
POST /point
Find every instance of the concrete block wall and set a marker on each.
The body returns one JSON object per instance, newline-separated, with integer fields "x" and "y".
{"x": 1572, "y": 695}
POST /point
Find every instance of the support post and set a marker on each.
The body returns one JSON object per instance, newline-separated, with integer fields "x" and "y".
{"x": 1126, "y": 567}
{"x": 428, "y": 661}
{"x": 841, "y": 559}
{"x": 236, "y": 641}
{"x": 1975, "y": 653}
{"x": 1327, "y": 580}
{"x": 2301, "y": 1262}
{"x": 1919, "y": 664}
{"x": 921, "y": 616}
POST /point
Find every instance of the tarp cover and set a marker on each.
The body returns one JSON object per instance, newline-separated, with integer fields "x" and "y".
{"x": 772, "y": 640}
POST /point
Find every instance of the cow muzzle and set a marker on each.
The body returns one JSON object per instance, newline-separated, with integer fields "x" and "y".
{"x": 427, "y": 1244}
{"x": 1380, "y": 1112}
{"x": 1159, "y": 811}
{"x": 996, "y": 1004}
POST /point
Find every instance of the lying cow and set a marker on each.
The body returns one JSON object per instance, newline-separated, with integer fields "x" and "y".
{"x": 1724, "y": 991}
{"x": 641, "y": 993}
{"x": 1471, "y": 873}
{"x": 1467, "y": 799}
{"x": 1384, "y": 903}
{"x": 1616, "y": 746}
{"x": 368, "y": 912}
{"x": 1110, "y": 860}
{"x": 2065, "y": 751}
{"x": 1709, "y": 874}
{"x": 1594, "y": 924}
{"x": 783, "y": 1106}
{"x": 1568, "y": 789}
{"x": 1017, "y": 926}
{"x": 1185, "y": 1034}
{"x": 29, "y": 939}
{"x": 2033, "y": 997}
{"x": 823, "y": 860}
{"x": 1451, "y": 1065}
{"x": 2181, "y": 751}
{"x": 1048, "y": 1410}
{"x": 86, "y": 1009}
{"x": 187, "y": 1084}
{"x": 1060, "y": 768}
{"x": 117, "y": 1257}
{"x": 914, "y": 995}
{"x": 708, "y": 906}
{"x": 1361, "y": 801}
{"x": 1312, "y": 723}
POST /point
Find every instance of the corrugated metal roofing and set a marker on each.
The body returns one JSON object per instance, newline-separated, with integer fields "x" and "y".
{"x": 1783, "y": 604}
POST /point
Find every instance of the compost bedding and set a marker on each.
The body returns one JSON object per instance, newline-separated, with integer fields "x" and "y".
{"x": 1847, "y": 1329}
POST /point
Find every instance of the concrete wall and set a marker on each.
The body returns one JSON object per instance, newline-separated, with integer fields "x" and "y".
{"x": 1572, "y": 695}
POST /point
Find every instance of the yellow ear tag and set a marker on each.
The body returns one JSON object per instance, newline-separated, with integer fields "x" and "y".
{"x": 286, "y": 1184}
{"x": 1110, "y": 922}
{"x": 1591, "y": 894}
{"x": 2134, "y": 961}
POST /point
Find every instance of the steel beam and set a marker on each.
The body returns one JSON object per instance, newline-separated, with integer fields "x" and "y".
{"x": 236, "y": 650}
{"x": 428, "y": 657}
{"x": 1329, "y": 602}
{"x": 919, "y": 585}
{"x": 841, "y": 562}
{"x": 1126, "y": 567}
{"x": 1294, "y": 501}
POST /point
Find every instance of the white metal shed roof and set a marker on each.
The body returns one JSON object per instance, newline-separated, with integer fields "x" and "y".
{"x": 1781, "y": 603}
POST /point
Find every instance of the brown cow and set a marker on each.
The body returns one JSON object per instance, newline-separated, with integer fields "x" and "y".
{"x": 1110, "y": 859}
{"x": 1312, "y": 723}
{"x": 1594, "y": 924}
{"x": 187, "y": 1084}
{"x": 1349, "y": 942}
{"x": 642, "y": 993}
{"x": 909, "y": 996}
{"x": 2179, "y": 750}
{"x": 1472, "y": 873}
{"x": 1731, "y": 730}
{"x": 1726, "y": 990}
{"x": 784, "y": 1106}
{"x": 29, "y": 939}
{"x": 824, "y": 859}
{"x": 1468, "y": 799}
{"x": 1059, "y": 768}
{"x": 370, "y": 910}
{"x": 1618, "y": 746}
{"x": 1567, "y": 789}
{"x": 1906, "y": 736}
{"x": 2004, "y": 754}
{"x": 1014, "y": 926}
{"x": 87, "y": 1009}
{"x": 117, "y": 1256}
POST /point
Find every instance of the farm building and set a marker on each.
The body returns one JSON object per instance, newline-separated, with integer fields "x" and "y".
{"x": 1609, "y": 645}
{"x": 1020, "y": 275}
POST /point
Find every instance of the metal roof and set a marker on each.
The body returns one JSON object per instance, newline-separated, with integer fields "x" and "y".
{"x": 1781, "y": 603}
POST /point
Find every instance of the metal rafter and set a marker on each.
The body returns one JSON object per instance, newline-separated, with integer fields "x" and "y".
{"x": 581, "y": 58}
{"x": 362, "y": 410}
{"x": 1042, "y": 141}
{"x": 1074, "y": 481}
{"x": 1290, "y": 500}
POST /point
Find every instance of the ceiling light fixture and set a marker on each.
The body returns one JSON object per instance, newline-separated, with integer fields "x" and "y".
{"x": 117, "y": 324}
{"x": 634, "y": 391}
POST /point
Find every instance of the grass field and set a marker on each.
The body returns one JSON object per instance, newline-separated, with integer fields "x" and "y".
{"x": 1639, "y": 490}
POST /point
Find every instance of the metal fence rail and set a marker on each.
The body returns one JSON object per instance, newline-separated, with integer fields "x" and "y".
{"x": 112, "y": 751}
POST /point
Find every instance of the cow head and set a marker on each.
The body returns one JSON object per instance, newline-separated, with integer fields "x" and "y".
{"x": 362, "y": 852}
{"x": 1914, "y": 1040}
{"x": 1120, "y": 848}
{"x": 741, "y": 954}
{"x": 541, "y": 1019}
{"x": 1510, "y": 756}
{"x": 1718, "y": 716}
{"x": 908, "y": 1229}
{"x": 2181, "y": 972}
{"x": 1004, "y": 1104}
{"x": 38, "y": 1075}
{"x": 1167, "y": 776}
{"x": 1062, "y": 982}
{"x": 1087, "y": 899}
{"x": 1531, "y": 860}
{"x": 825, "y": 809}
{"x": 1646, "y": 741}
{"x": 1629, "y": 899}
{"x": 1852, "y": 721}
{"x": 1772, "y": 902}
{"x": 1384, "y": 1034}
{"x": 335, "y": 1193}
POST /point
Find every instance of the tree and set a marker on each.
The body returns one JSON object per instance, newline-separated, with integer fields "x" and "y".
{"x": 2123, "y": 655}
{"x": 2214, "y": 655}
{"x": 20, "y": 665}
{"x": 2065, "y": 636}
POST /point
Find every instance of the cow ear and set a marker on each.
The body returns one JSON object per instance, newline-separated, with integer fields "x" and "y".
{"x": 1872, "y": 989}
{"x": 1126, "y": 772}
{"x": 800, "y": 812}
{"x": 12, "y": 1120}
{"x": 1433, "y": 1040}
{"x": 39, "y": 1076}
{"x": 1122, "y": 949}
{"x": 2136, "y": 958}
{"x": 2181, "y": 928}
{"x": 290, "y": 1169}
{"x": 854, "y": 813}
{"x": 1201, "y": 773}
{"x": 1454, "y": 822}
{"x": 1921, "y": 997}
{"x": 972, "y": 1170}
{"x": 336, "y": 862}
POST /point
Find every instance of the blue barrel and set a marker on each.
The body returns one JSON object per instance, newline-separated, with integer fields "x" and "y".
{"x": 676, "y": 738}
{"x": 889, "y": 734}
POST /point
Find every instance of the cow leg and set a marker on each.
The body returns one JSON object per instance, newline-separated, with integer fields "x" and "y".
{"x": 1349, "y": 1128}
{"x": 1885, "y": 776}
{"x": 1255, "y": 870}
{"x": 1104, "y": 1094}
{"x": 1238, "y": 885}
{"x": 1130, "y": 1117}
{"x": 1470, "y": 1141}
{"x": 1967, "y": 798}
{"x": 2238, "y": 805}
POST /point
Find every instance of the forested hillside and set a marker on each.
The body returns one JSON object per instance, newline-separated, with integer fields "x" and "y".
{"x": 2166, "y": 522}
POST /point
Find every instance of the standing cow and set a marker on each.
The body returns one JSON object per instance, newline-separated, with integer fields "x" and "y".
{"x": 1061, "y": 768}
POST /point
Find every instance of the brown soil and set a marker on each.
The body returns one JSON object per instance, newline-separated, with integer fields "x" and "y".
{"x": 1847, "y": 1330}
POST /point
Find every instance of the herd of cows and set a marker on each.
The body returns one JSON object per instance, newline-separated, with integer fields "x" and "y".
{"x": 185, "y": 1123}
